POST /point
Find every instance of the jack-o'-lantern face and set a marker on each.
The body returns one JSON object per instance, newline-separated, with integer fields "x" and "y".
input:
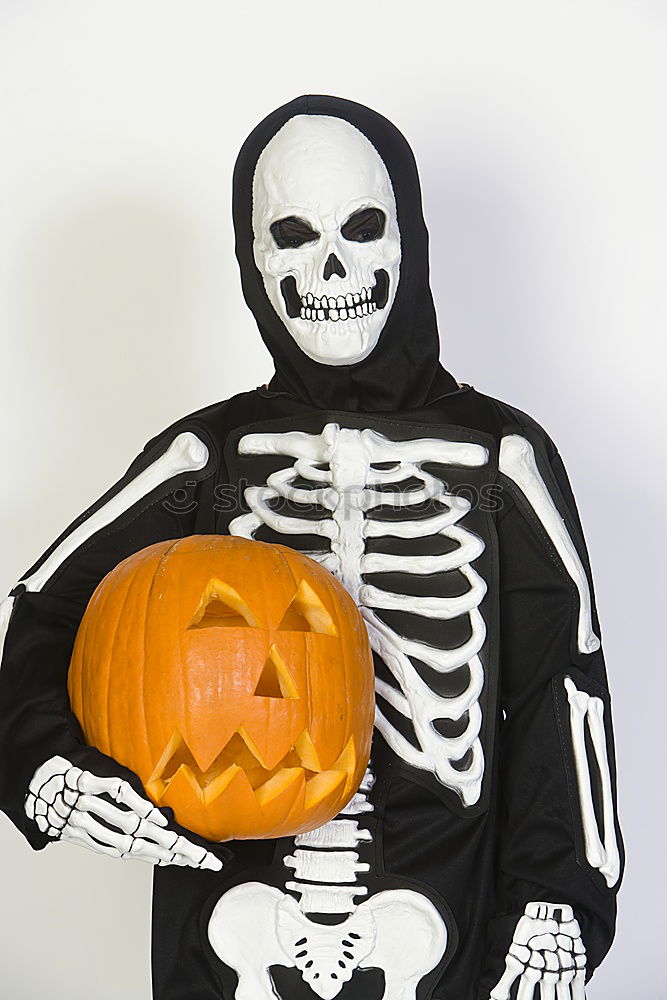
{"x": 235, "y": 678}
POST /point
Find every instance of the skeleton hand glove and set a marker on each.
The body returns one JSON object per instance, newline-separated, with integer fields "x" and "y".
{"x": 546, "y": 953}
{"x": 106, "y": 815}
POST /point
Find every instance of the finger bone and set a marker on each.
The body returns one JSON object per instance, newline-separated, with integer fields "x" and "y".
{"x": 52, "y": 788}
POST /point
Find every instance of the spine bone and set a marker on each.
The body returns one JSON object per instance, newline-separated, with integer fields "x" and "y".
{"x": 327, "y": 877}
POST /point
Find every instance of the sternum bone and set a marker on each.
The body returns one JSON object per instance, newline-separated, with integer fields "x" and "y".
{"x": 349, "y": 465}
{"x": 347, "y": 546}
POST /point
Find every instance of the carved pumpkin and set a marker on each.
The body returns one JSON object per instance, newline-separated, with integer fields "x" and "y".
{"x": 235, "y": 678}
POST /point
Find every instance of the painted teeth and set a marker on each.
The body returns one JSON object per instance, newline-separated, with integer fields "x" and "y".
{"x": 336, "y": 308}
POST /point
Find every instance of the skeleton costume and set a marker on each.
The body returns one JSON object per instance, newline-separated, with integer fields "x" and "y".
{"x": 480, "y": 858}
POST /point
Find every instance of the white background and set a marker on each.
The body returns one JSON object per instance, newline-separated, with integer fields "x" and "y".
{"x": 540, "y": 133}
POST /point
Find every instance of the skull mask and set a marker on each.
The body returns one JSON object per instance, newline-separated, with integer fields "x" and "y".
{"x": 326, "y": 237}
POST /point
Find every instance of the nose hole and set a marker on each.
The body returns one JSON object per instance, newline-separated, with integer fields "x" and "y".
{"x": 333, "y": 266}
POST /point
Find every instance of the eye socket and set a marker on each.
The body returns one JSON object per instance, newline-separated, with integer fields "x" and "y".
{"x": 293, "y": 232}
{"x": 364, "y": 226}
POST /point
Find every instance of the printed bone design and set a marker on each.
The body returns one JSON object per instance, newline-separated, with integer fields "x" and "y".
{"x": 350, "y": 474}
{"x": 256, "y": 926}
{"x": 546, "y": 952}
{"x": 586, "y": 710}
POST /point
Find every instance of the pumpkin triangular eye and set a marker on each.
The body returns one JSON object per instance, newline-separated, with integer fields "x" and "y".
{"x": 220, "y": 606}
{"x": 306, "y": 613}
{"x": 275, "y": 680}
{"x": 295, "y": 621}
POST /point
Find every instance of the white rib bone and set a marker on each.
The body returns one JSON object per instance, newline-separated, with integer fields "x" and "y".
{"x": 605, "y": 856}
{"x": 256, "y": 498}
{"x": 470, "y": 548}
{"x": 517, "y": 462}
{"x": 280, "y": 483}
{"x": 442, "y": 660}
{"x": 442, "y": 707}
{"x": 433, "y": 525}
{"x": 467, "y": 782}
{"x": 341, "y": 465}
{"x": 428, "y": 607}
{"x": 431, "y": 490}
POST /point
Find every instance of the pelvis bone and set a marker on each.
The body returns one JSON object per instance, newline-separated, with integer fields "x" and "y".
{"x": 256, "y": 926}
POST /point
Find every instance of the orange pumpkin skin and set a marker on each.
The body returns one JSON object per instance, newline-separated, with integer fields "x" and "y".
{"x": 235, "y": 678}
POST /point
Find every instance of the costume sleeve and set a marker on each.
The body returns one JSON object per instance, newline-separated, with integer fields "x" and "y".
{"x": 39, "y": 619}
{"x": 560, "y": 851}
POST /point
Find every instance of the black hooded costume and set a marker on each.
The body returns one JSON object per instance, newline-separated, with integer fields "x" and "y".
{"x": 482, "y": 853}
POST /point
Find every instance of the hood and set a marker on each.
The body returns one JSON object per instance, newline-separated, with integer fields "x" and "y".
{"x": 403, "y": 370}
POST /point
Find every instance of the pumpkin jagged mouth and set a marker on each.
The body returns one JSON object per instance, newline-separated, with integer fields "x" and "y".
{"x": 240, "y": 757}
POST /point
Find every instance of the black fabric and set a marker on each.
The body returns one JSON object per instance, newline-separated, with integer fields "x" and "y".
{"x": 403, "y": 371}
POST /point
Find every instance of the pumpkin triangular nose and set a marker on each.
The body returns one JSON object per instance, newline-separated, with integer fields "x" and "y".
{"x": 333, "y": 266}
{"x": 275, "y": 680}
